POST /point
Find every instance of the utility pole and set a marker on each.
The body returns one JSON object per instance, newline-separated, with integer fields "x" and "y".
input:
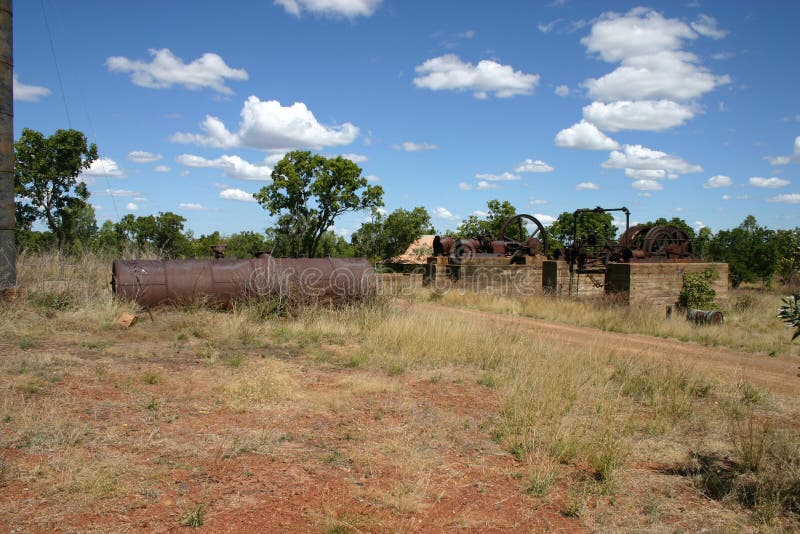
{"x": 8, "y": 253}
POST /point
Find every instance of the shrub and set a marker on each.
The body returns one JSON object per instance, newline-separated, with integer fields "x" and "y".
{"x": 697, "y": 291}
{"x": 789, "y": 313}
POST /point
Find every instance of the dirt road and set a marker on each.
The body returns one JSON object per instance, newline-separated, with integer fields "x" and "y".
{"x": 779, "y": 374}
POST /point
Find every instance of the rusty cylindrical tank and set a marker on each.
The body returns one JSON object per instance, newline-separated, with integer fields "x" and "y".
{"x": 223, "y": 281}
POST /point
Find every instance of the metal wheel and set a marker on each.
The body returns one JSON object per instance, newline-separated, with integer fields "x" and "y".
{"x": 666, "y": 241}
{"x": 517, "y": 223}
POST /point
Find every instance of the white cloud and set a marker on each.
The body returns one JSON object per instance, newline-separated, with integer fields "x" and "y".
{"x": 649, "y": 115}
{"x": 444, "y": 213}
{"x": 448, "y": 72}
{"x": 699, "y": 225}
{"x": 336, "y": 8}
{"x": 547, "y": 28}
{"x": 480, "y": 213}
{"x": 789, "y": 198}
{"x": 587, "y": 185}
{"x": 191, "y": 206}
{"x": 355, "y": 158}
{"x": 28, "y": 93}
{"x": 778, "y": 161}
{"x": 162, "y": 168}
{"x": 726, "y": 197}
{"x": 166, "y": 70}
{"x": 707, "y": 27}
{"x": 232, "y": 166}
{"x": 584, "y": 136}
{"x": 720, "y": 180}
{"x": 645, "y": 194}
{"x": 139, "y": 199}
{"x": 544, "y": 218}
{"x": 185, "y": 173}
{"x": 797, "y": 148}
{"x": 505, "y": 177}
{"x": 464, "y": 186}
{"x": 530, "y": 165}
{"x": 121, "y": 193}
{"x": 372, "y": 178}
{"x": 771, "y": 183}
{"x": 653, "y": 65}
{"x": 102, "y": 168}
{"x": 410, "y": 146}
{"x": 647, "y": 185}
{"x": 483, "y": 185}
{"x": 267, "y": 125}
{"x": 642, "y": 158}
{"x": 236, "y": 194}
{"x": 130, "y": 206}
{"x": 648, "y": 174}
{"x": 562, "y": 90}
{"x": 537, "y": 201}
{"x": 140, "y": 156}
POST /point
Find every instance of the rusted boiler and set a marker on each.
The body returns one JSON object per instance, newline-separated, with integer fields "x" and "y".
{"x": 224, "y": 281}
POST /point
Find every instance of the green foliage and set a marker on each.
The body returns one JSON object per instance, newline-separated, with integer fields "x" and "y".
{"x": 308, "y": 192}
{"x": 498, "y": 213}
{"x": 46, "y": 184}
{"x": 599, "y": 225}
{"x": 787, "y": 250}
{"x": 789, "y": 313}
{"x": 749, "y": 250}
{"x": 163, "y": 233}
{"x": 387, "y": 236}
{"x": 677, "y": 222}
{"x": 697, "y": 291}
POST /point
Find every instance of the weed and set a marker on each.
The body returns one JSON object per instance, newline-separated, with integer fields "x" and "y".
{"x": 235, "y": 360}
{"x": 540, "y": 481}
{"x": 27, "y": 342}
{"x": 194, "y": 517}
{"x": 151, "y": 378}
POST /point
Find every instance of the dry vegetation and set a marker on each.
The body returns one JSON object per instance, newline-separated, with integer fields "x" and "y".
{"x": 388, "y": 417}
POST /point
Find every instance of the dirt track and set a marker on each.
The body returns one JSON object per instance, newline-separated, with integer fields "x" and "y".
{"x": 781, "y": 374}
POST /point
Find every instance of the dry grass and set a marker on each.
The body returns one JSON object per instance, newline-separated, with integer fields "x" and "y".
{"x": 749, "y": 310}
{"x": 97, "y": 417}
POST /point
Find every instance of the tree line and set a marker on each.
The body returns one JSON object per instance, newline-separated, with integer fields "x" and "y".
{"x": 306, "y": 195}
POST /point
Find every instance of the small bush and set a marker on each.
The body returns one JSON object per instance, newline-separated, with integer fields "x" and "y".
{"x": 697, "y": 291}
{"x": 789, "y": 313}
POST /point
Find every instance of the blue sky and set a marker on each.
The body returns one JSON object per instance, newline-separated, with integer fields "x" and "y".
{"x": 685, "y": 109}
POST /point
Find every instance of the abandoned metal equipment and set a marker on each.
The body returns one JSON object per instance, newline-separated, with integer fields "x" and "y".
{"x": 513, "y": 241}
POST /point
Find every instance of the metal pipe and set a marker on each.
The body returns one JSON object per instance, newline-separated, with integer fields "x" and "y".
{"x": 224, "y": 281}
{"x": 8, "y": 252}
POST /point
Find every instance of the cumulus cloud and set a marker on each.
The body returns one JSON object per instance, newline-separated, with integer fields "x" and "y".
{"x": 586, "y": 185}
{"x": 584, "y": 136}
{"x": 720, "y": 180}
{"x": 448, "y": 72}
{"x": 707, "y": 27}
{"x": 140, "y": 156}
{"x": 232, "y": 166}
{"x": 410, "y": 146}
{"x": 131, "y": 206}
{"x": 162, "y": 168}
{"x": 483, "y": 184}
{"x": 372, "y": 178}
{"x": 778, "y": 161}
{"x": 337, "y": 8}
{"x": 464, "y": 186}
{"x": 652, "y": 63}
{"x": 544, "y": 218}
{"x": 445, "y": 214}
{"x": 770, "y": 183}
{"x": 355, "y": 158}
{"x": 236, "y": 194}
{"x": 648, "y": 174}
{"x": 562, "y": 90}
{"x": 121, "y": 193}
{"x": 191, "y": 206}
{"x": 28, "y": 93}
{"x": 530, "y": 165}
{"x": 537, "y": 201}
{"x": 267, "y": 125}
{"x": 642, "y": 158}
{"x": 647, "y": 185}
{"x": 649, "y": 115}
{"x": 505, "y": 177}
{"x": 102, "y": 168}
{"x": 789, "y": 198}
{"x": 166, "y": 69}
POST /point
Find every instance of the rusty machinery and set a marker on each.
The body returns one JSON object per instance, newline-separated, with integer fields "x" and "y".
{"x": 515, "y": 240}
{"x": 637, "y": 243}
{"x": 223, "y": 281}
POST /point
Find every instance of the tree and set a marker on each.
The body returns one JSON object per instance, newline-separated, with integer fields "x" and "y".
{"x": 677, "y": 222}
{"x": 164, "y": 233}
{"x": 308, "y": 192}
{"x": 498, "y": 214}
{"x": 387, "y": 236}
{"x": 245, "y": 244}
{"x": 600, "y": 225}
{"x": 46, "y": 173}
{"x": 748, "y": 249}
{"x": 787, "y": 249}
